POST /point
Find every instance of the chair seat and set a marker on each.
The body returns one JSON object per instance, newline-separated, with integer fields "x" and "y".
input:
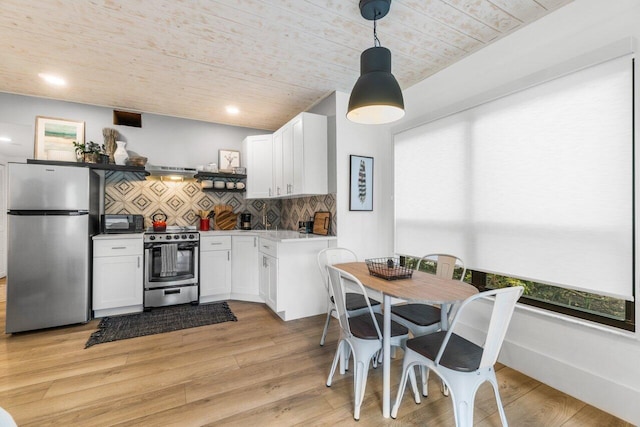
{"x": 362, "y": 327}
{"x": 419, "y": 314}
{"x": 461, "y": 355}
{"x": 357, "y": 301}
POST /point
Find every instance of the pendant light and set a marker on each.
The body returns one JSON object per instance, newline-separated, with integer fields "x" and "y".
{"x": 376, "y": 97}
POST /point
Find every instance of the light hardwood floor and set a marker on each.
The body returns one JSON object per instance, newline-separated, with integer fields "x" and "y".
{"x": 257, "y": 371}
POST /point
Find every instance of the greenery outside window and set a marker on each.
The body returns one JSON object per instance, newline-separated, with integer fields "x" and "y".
{"x": 584, "y": 305}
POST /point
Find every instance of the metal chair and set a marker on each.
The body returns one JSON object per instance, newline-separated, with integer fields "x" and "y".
{"x": 361, "y": 336}
{"x": 356, "y": 303}
{"x": 460, "y": 363}
{"x": 422, "y": 319}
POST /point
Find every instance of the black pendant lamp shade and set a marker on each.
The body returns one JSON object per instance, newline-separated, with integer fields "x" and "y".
{"x": 376, "y": 97}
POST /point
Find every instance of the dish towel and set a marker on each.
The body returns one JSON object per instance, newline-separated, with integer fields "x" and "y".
{"x": 169, "y": 260}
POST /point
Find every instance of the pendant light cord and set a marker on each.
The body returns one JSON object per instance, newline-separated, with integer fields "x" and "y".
{"x": 376, "y": 40}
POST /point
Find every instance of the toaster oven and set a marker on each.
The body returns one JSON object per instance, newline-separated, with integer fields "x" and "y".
{"x": 117, "y": 223}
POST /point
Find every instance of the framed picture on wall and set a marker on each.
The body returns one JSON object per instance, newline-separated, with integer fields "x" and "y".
{"x": 361, "y": 183}
{"x": 55, "y": 137}
{"x": 228, "y": 159}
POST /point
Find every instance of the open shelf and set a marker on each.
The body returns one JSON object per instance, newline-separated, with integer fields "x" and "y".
{"x": 100, "y": 166}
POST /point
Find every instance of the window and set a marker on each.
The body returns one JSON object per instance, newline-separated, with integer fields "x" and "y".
{"x": 534, "y": 187}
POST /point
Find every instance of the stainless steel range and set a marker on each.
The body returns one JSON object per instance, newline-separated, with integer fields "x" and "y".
{"x": 171, "y": 271}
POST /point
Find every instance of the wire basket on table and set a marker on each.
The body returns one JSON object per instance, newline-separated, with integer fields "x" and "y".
{"x": 388, "y": 268}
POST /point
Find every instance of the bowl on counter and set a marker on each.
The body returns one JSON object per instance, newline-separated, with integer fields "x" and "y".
{"x": 206, "y": 183}
{"x": 218, "y": 184}
{"x": 231, "y": 185}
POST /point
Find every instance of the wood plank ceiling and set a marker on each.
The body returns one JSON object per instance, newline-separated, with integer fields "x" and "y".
{"x": 270, "y": 58}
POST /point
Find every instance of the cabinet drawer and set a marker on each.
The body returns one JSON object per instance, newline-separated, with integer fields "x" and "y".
{"x": 215, "y": 243}
{"x": 269, "y": 247}
{"x": 113, "y": 247}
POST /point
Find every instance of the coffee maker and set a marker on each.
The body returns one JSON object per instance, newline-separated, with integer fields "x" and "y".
{"x": 245, "y": 221}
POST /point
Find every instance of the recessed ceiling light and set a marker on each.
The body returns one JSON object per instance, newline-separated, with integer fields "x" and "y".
{"x": 5, "y": 139}
{"x": 231, "y": 109}
{"x": 52, "y": 80}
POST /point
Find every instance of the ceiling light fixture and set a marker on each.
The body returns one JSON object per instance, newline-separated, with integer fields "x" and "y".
{"x": 52, "y": 80}
{"x": 376, "y": 97}
{"x": 231, "y": 109}
{"x": 5, "y": 139}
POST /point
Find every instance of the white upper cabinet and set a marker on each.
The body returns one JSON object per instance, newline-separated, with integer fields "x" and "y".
{"x": 257, "y": 153}
{"x": 298, "y": 160}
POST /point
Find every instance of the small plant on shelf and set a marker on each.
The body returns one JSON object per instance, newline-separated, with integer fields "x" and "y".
{"x": 91, "y": 152}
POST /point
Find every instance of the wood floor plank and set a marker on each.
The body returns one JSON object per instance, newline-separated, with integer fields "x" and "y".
{"x": 258, "y": 370}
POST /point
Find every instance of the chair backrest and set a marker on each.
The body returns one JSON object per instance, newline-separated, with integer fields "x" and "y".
{"x": 336, "y": 282}
{"x": 502, "y": 310}
{"x": 445, "y": 265}
{"x": 330, "y": 256}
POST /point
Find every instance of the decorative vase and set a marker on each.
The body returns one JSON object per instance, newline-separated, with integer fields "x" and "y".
{"x": 110, "y": 136}
{"x": 120, "y": 155}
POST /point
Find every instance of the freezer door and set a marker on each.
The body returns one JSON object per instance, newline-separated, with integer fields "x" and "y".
{"x": 48, "y": 280}
{"x": 45, "y": 187}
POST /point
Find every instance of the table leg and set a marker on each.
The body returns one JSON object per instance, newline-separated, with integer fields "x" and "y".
{"x": 386, "y": 358}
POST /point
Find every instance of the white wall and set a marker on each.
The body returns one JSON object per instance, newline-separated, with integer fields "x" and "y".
{"x": 598, "y": 365}
{"x": 167, "y": 141}
{"x": 368, "y": 233}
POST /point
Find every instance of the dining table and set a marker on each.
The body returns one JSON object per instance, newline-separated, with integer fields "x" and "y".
{"x": 421, "y": 287}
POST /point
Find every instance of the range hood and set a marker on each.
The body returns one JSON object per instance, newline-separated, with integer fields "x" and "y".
{"x": 170, "y": 173}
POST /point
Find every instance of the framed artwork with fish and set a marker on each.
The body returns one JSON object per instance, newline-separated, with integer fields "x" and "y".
{"x": 361, "y": 183}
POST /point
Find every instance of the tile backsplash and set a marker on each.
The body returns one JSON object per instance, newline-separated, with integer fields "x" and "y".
{"x": 130, "y": 193}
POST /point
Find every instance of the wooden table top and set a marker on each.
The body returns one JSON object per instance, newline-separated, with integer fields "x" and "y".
{"x": 421, "y": 287}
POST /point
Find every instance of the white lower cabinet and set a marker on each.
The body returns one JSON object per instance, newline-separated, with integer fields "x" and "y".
{"x": 244, "y": 271}
{"x": 215, "y": 268}
{"x": 117, "y": 275}
{"x": 289, "y": 278}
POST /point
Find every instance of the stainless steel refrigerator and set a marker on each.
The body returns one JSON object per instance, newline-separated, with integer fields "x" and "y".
{"x": 52, "y": 214}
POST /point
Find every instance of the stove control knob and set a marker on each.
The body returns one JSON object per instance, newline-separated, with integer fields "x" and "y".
{"x": 152, "y": 237}
{"x": 168, "y": 237}
{"x": 184, "y": 236}
{"x": 191, "y": 236}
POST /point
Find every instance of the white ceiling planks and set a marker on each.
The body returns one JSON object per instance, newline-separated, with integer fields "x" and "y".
{"x": 271, "y": 58}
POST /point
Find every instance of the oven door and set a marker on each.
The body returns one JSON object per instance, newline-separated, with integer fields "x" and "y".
{"x": 170, "y": 264}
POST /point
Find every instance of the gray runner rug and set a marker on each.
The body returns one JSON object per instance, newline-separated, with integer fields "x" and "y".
{"x": 159, "y": 320}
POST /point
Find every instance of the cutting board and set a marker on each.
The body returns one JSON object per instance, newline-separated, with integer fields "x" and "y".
{"x": 321, "y": 223}
{"x": 225, "y": 220}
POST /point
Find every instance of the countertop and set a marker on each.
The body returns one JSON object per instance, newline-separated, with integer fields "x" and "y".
{"x": 274, "y": 235}
{"x": 112, "y": 236}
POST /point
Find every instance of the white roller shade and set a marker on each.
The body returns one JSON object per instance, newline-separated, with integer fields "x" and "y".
{"x": 537, "y": 184}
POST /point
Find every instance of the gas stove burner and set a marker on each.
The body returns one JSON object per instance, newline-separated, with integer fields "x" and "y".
{"x": 173, "y": 234}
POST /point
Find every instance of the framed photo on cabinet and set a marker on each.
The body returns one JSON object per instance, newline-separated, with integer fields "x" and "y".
{"x": 55, "y": 137}
{"x": 361, "y": 183}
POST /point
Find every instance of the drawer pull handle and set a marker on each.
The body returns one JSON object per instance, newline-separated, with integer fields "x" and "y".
{"x": 118, "y": 247}
{"x": 216, "y": 243}
{"x": 172, "y": 291}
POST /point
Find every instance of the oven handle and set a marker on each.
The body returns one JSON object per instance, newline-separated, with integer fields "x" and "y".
{"x": 181, "y": 245}
{"x": 171, "y": 291}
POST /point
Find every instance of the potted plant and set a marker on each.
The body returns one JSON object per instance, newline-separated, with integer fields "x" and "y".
{"x": 91, "y": 152}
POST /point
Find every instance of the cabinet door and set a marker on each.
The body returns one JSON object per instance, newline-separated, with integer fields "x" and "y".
{"x": 258, "y": 153}
{"x": 244, "y": 265}
{"x": 269, "y": 281}
{"x": 287, "y": 159}
{"x": 117, "y": 282}
{"x": 215, "y": 273}
{"x": 297, "y": 157}
{"x": 278, "y": 177}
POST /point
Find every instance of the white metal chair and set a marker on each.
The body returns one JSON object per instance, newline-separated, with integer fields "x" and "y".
{"x": 422, "y": 319}
{"x": 361, "y": 336}
{"x": 6, "y": 420}
{"x": 461, "y": 364}
{"x": 356, "y": 303}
